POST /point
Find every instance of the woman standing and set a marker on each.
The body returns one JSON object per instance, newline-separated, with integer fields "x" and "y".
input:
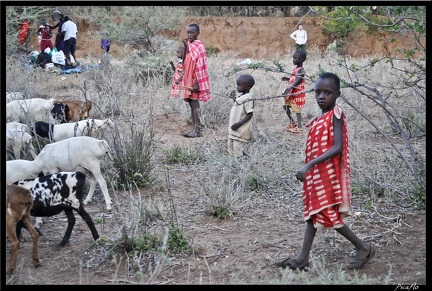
{"x": 300, "y": 38}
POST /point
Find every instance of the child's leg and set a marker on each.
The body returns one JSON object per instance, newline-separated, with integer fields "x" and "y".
{"x": 192, "y": 115}
{"x": 238, "y": 148}
{"x": 364, "y": 251}
{"x": 308, "y": 238}
{"x": 302, "y": 259}
{"x": 288, "y": 112}
{"x": 230, "y": 146}
{"x": 299, "y": 120}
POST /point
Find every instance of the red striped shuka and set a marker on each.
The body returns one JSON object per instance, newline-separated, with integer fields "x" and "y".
{"x": 327, "y": 186}
{"x": 298, "y": 99}
{"x": 177, "y": 90}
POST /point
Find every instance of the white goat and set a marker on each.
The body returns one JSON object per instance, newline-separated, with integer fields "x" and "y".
{"x": 13, "y": 96}
{"x": 22, "y": 169}
{"x": 90, "y": 127}
{"x": 81, "y": 154}
{"x": 17, "y": 126}
{"x": 35, "y": 109}
{"x": 17, "y": 141}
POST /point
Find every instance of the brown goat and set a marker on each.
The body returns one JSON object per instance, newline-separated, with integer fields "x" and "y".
{"x": 77, "y": 109}
{"x": 19, "y": 202}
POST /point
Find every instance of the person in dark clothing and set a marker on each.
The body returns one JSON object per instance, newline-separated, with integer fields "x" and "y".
{"x": 59, "y": 42}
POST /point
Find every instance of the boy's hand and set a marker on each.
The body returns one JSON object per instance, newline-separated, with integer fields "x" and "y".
{"x": 195, "y": 87}
{"x": 285, "y": 78}
{"x": 235, "y": 126}
{"x": 232, "y": 94}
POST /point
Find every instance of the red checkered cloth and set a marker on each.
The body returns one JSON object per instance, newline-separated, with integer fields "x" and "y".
{"x": 177, "y": 90}
{"x": 328, "y": 183}
{"x": 299, "y": 99}
{"x": 197, "y": 69}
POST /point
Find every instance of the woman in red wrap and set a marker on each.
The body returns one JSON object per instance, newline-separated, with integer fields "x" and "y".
{"x": 196, "y": 78}
{"x": 326, "y": 177}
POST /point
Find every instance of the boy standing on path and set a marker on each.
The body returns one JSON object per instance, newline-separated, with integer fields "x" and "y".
{"x": 296, "y": 91}
{"x": 240, "y": 121}
{"x": 326, "y": 177}
{"x": 196, "y": 78}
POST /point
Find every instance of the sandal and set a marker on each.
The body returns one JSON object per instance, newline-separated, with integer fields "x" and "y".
{"x": 292, "y": 265}
{"x": 295, "y": 130}
{"x": 291, "y": 125}
{"x": 357, "y": 263}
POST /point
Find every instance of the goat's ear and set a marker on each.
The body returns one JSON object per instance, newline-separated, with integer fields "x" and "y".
{"x": 40, "y": 174}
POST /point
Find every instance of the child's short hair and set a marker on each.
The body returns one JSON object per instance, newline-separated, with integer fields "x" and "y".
{"x": 248, "y": 79}
{"x": 302, "y": 54}
{"x": 335, "y": 78}
{"x": 197, "y": 28}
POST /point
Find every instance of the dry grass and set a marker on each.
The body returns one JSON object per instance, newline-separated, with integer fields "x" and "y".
{"x": 218, "y": 183}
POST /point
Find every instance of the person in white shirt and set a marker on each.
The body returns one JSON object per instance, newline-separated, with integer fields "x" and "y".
{"x": 69, "y": 32}
{"x": 300, "y": 37}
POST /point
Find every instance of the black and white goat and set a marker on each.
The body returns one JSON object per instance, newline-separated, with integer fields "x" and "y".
{"x": 54, "y": 193}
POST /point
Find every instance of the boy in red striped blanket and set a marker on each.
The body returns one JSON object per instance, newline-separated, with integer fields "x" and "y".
{"x": 326, "y": 177}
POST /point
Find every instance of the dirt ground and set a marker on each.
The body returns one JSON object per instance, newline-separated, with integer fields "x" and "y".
{"x": 239, "y": 250}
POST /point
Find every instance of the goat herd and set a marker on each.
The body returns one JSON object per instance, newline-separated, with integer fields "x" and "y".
{"x": 52, "y": 181}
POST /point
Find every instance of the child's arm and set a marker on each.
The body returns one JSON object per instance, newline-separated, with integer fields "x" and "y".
{"x": 293, "y": 35}
{"x": 237, "y": 125}
{"x": 297, "y": 81}
{"x": 52, "y": 27}
{"x": 299, "y": 78}
{"x": 172, "y": 66}
{"x": 335, "y": 150}
{"x": 180, "y": 78}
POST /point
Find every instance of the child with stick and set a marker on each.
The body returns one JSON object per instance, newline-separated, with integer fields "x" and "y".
{"x": 297, "y": 96}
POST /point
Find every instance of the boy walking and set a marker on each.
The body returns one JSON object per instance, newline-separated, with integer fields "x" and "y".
{"x": 326, "y": 177}
{"x": 240, "y": 122}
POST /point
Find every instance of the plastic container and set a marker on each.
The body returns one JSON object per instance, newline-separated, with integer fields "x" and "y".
{"x": 58, "y": 58}
{"x": 245, "y": 62}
